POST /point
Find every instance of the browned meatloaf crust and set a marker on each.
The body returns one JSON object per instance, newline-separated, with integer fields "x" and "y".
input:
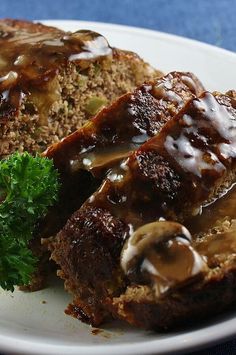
{"x": 84, "y": 157}
{"x": 51, "y": 82}
{"x": 173, "y": 181}
{"x": 140, "y": 114}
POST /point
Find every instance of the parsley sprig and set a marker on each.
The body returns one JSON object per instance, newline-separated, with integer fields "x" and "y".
{"x": 28, "y": 187}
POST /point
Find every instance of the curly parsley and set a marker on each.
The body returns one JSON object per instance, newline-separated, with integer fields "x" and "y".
{"x": 28, "y": 187}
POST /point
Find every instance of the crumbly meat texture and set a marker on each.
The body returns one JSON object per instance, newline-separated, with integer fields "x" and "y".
{"x": 44, "y": 96}
{"x": 110, "y": 136}
{"x": 144, "y": 195}
{"x": 84, "y": 157}
{"x": 47, "y": 102}
{"x": 211, "y": 295}
{"x": 130, "y": 120}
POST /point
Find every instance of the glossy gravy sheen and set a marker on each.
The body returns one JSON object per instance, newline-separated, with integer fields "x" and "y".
{"x": 197, "y": 146}
{"x": 193, "y": 146}
{"x": 161, "y": 253}
{"x": 125, "y": 125}
{"x": 30, "y": 61}
{"x": 179, "y": 261}
{"x": 101, "y": 160}
{"x": 174, "y": 263}
{"x": 165, "y": 91}
{"x": 215, "y": 228}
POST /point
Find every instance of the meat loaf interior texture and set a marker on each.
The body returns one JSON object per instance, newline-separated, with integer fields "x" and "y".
{"x": 53, "y": 81}
{"x": 168, "y": 179}
{"x": 84, "y": 157}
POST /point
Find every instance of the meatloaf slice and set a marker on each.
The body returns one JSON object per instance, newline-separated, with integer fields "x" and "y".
{"x": 84, "y": 157}
{"x": 52, "y": 81}
{"x": 127, "y": 123}
{"x": 175, "y": 174}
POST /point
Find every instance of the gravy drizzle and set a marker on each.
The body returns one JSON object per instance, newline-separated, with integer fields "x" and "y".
{"x": 161, "y": 253}
{"x": 29, "y": 62}
{"x": 191, "y": 143}
{"x": 214, "y": 230}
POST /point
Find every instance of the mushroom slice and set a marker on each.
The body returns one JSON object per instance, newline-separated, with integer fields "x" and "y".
{"x": 160, "y": 254}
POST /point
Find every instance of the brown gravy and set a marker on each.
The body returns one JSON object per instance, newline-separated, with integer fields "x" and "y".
{"x": 214, "y": 230}
{"x": 160, "y": 253}
{"x": 30, "y": 61}
{"x": 36, "y": 56}
{"x": 219, "y": 244}
{"x": 196, "y": 144}
{"x": 191, "y": 147}
{"x": 221, "y": 209}
{"x": 176, "y": 263}
{"x": 102, "y": 159}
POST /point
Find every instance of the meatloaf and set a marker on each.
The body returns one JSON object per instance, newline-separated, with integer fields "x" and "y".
{"x": 84, "y": 157}
{"x": 107, "y": 138}
{"x": 115, "y": 132}
{"x": 125, "y": 254}
{"x": 52, "y": 81}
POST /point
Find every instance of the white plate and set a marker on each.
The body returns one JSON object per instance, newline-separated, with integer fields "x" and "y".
{"x": 28, "y": 325}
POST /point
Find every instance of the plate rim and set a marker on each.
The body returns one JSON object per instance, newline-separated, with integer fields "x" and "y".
{"x": 180, "y": 345}
{"x": 146, "y": 31}
{"x": 183, "y": 342}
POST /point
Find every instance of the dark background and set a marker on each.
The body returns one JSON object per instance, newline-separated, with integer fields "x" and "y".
{"x": 211, "y": 21}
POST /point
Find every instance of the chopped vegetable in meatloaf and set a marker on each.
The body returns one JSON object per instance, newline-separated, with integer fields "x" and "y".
{"x": 52, "y": 81}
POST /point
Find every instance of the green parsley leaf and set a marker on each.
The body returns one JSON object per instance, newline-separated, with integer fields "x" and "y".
{"x": 28, "y": 187}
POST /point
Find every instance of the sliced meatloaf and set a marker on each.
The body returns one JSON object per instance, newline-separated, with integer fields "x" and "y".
{"x": 84, "y": 157}
{"x": 52, "y": 81}
{"x": 117, "y": 263}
